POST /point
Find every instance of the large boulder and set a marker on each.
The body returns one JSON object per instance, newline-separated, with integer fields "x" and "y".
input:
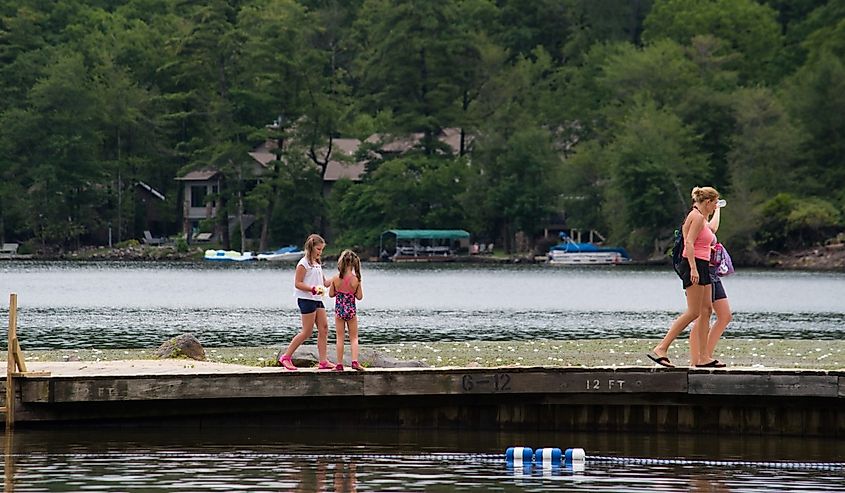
{"x": 306, "y": 356}
{"x": 185, "y": 345}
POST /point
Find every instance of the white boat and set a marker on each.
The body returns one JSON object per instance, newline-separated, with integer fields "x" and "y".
{"x": 284, "y": 254}
{"x": 227, "y": 256}
{"x": 570, "y": 252}
{"x": 561, "y": 257}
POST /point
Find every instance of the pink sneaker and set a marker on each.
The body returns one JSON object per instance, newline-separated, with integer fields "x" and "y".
{"x": 356, "y": 366}
{"x": 287, "y": 364}
{"x": 325, "y": 365}
{"x": 338, "y": 367}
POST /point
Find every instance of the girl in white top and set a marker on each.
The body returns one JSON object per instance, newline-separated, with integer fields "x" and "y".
{"x": 310, "y": 284}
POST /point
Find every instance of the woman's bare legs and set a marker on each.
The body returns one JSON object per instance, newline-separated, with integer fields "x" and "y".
{"x": 340, "y": 328}
{"x": 723, "y": 318}
{"x": 697, "y": 341}
{"x": 695, "y": 298}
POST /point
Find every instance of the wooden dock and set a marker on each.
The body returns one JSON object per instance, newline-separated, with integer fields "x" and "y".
{"x": 750, "y": 401}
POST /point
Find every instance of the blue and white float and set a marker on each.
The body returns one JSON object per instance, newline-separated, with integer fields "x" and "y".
{"x": 519, "y": 456}
{"x": 549, "y": 456}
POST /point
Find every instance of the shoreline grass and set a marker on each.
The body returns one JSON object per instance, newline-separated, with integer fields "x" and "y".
{"x": 754, "y": 353}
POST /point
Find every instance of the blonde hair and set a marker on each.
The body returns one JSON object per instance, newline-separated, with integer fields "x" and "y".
{"x": 310, "y": 246}
{"x": 700, "y": 194}
{"x": 349, "y": 259}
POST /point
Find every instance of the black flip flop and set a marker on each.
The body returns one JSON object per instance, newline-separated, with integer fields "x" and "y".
{"x": 713, "y": 364}
{"x": 660, "y": 360}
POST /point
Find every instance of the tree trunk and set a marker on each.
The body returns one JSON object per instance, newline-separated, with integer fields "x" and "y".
{"x": 2, "y": 222}
{"x": 223, "y": 217}
{"x": 241, "y": 208}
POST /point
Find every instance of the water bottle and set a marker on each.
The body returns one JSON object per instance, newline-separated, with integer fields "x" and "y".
{"x": 722, "y": 202}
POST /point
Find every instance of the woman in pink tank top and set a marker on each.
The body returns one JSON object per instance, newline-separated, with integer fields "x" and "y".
{"x": 695, "y": 277}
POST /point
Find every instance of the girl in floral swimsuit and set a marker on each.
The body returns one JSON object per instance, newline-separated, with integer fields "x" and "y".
{"x": 346, "y": 288}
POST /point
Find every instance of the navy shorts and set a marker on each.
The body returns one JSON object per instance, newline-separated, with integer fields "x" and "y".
{"x": 718, "y": 290}
{"x": 703, "y": 267}
{"x": 309, "y": 306}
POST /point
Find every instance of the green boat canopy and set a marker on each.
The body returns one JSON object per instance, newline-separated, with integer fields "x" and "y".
{"x": 434, "y": 234}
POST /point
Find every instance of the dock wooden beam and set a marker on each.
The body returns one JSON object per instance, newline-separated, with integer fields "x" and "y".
{"x": 794, "y": 402}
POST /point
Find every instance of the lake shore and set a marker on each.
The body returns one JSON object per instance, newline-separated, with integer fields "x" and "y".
{"x": 745, "y": 353}
{"x": 821, "y": 258}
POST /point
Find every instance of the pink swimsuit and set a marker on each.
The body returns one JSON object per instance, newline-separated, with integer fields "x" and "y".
{"x": 344, "y": 301}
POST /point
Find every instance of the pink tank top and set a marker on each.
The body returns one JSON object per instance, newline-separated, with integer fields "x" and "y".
{"x": 702, "y": 243}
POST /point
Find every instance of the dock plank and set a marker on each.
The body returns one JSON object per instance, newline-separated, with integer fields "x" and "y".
{"x": 764, "y": 384}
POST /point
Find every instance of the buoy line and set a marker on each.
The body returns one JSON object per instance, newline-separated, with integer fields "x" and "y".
{"x": 449, "y": 457}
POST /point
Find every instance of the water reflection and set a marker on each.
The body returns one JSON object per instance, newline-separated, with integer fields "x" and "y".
{"x": 260, "y": 459}
{"x": 8, "y": 462}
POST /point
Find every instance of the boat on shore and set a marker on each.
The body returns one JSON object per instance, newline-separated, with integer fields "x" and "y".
{"x": 285, "y": 254}
{"x": 227, "y": 256}
{"x": 571, "y": 252}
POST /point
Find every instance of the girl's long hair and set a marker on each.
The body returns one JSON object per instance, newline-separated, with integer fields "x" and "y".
{"x": 310, "y": 248}
{"x": 349, "y": 259}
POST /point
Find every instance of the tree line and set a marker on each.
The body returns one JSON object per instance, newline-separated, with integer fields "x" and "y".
{"x": 606, "y": 111}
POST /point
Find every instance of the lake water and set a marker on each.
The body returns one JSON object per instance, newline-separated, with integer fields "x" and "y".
{"x": 138, "y": 305}
{"x": 128, "y": 305}
{"x": 259, "y": 460}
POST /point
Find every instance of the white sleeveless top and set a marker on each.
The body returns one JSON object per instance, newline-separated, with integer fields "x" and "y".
{"x": 313, "y": 277}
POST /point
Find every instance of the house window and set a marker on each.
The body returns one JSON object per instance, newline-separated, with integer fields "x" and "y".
{"x": 198, "y": 193}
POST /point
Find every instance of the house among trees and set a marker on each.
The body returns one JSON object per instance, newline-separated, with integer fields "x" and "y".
{"x": 201, "y": 187}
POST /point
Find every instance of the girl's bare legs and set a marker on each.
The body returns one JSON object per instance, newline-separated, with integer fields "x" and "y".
{"x": 695, "y": 294}
{"x": 340, "y": 327}
{"x": 322, "y": 334}
{"x": 304, "y": 334}
{"x": 723, "y": 318}
{"x": 353, "y": 337}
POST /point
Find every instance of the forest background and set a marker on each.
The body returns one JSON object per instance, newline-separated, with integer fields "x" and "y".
{"x": 607, "y": 111}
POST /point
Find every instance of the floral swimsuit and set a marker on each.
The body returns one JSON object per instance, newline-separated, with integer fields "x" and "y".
{"x": 344, "y": 302}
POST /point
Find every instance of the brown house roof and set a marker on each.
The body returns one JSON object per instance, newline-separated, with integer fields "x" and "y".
{"x": 343, "y": 167}
{"x": 199, "y": 175}
{"x": 399, "y": 144}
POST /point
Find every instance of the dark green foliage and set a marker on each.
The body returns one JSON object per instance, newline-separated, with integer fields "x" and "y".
{"x": 606, "y": 113}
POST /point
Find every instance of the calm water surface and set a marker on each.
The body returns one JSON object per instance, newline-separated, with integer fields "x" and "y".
{"x": 114, "y": 460}
{"x": 134, "y": 305}
{"x": 125, "y": 305}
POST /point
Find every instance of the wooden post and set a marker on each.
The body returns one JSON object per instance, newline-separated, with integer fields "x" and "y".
{"x": 15, "y": 364}
{"x": 9, "y": 409}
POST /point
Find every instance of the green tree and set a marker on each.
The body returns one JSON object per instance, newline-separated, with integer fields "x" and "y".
{"x": 55, "y": 141}
{"x": 791, "y": 222}
{"x": 410, "y": 64}
{"x": 749, "y": 28}
{"x": 815, "y": 95}
{"x": 411, "y": 192}
{"x": 654, "y": 163}
{"x": 515, "y": 184}
{"x": 766, "y": 147}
